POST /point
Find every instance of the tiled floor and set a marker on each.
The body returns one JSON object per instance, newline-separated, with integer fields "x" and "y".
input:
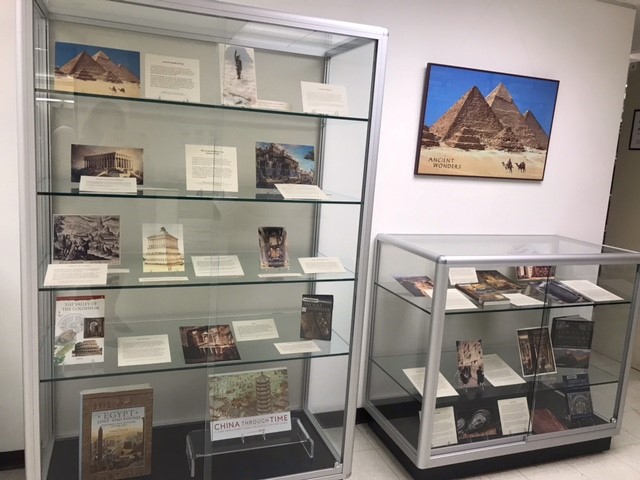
{"x": 372, "y": 461}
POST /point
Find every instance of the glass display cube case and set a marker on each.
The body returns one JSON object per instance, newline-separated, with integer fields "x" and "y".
{"x": 494, "y": 350}
{"x": 191, "y": 311}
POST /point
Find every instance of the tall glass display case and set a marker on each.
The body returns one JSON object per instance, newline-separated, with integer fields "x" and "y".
{"x": 201, "y": 186}
{"x": 489, "y": 351}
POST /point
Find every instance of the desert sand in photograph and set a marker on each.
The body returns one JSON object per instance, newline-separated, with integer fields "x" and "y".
{"x": 481, "y": 163}
{"x": 97, "y": 87}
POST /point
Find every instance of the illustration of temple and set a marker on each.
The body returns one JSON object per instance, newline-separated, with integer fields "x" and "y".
{"x": 106, "y": 161}
{"x": 162, "y": 249}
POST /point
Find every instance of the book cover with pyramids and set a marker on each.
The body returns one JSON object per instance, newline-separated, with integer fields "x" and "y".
{"x": 96, "y": 70}
{"x": 477, "y": 123}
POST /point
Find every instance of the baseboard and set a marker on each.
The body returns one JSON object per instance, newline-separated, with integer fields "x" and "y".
{"x": 362, "y": 416}
{"x": 12, "y": 460}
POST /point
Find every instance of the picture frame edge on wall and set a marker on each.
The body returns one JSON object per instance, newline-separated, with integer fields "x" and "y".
{"x": 530, "y": 162}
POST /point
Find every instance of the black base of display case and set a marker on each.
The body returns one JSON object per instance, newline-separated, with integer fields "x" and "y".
{"x": 493, "y": 464}
{"x": 170, "y": 460}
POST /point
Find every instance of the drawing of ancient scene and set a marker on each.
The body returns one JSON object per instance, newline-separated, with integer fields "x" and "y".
{"x": 485, "y": 124}
{"x": 284, "y": 163}
{"x": 86, "y": 238}
{"x": 208, "y": 343}
{"x": 96, "y": 70}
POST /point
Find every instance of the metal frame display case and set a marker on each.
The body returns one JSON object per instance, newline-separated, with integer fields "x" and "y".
{"x": 457, "y": 385}
{"x": 181, "y": 109}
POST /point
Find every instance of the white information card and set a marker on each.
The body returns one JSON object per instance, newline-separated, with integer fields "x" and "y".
{"x": 75, "y": 274}
{"x": 444, "y": 427}
{"x": 247, "y": 330}
{"x": 416, "y": 377}
{"x": 217, "y": 266}
{"x": 172, "y": 78}
{"x": 211, "y": 168}
{"x": 108, "y": 184}
{"x": 294, "y": 191}
{"x": 462, "y": 275}
{"x": 324, "y": 98}
{"x": 321, "y": 265}
{"x": 498, "y": 373}
{"x": 297, "y": 347}
{"x": 590, "y": 290}
{"x": 514, "y": 415}
{"x": 143, "y": 350}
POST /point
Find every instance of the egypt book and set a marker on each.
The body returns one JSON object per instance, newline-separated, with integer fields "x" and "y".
{"x": 571, "y": 338}
{"x": 470, "y": 363}
{"x": 316, "y": 316}
{"x": 208, "y": 343}
{"x": 498, "y": 281}
{"x": 248, "y": 403}
{"x": 116, "y": 431}
{"x": 79, "y": 330}
{"x": 274, "y": 250}
{"x": 417, "y": 285}
{"x": 483, "y": 294}
{"x": 577, "y": 391}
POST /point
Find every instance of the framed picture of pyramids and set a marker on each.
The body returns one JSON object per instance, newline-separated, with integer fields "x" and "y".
{"x": 96, "y": 70}
{"x": 476, "y": 123}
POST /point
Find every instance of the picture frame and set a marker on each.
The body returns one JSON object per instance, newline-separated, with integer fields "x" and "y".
{"x": 634, "y": 137}
{"x": 479, "y": 123}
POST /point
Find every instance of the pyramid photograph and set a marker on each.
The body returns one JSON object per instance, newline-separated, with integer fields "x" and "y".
{"x": 477, "y": 123}
{"x": 96, "y": 70}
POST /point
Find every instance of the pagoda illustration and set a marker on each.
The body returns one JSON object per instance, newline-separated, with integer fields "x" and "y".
{"x": 264, "y": 402}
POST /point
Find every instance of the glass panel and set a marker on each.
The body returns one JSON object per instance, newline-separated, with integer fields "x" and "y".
{"x": 146, "y": 119}
{"x": 502, "y": 245}
{"x": 534, "y": 337}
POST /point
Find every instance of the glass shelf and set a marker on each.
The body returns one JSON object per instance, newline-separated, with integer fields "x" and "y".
{"x": 393, "y": 365}
{"x": 251, "y": 352}
{"x": 424, "y": 303}
{"x": 62, "y": 98}
{"x": 199, "y": 445}
{"x": 253, "y": 275}
{"x": 65, "y": 188}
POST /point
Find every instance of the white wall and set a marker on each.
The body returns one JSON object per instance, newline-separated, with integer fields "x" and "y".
{"x": 10, "y": 353}
{"x": 623, "y": 228}
{"x": 584, "y": 44}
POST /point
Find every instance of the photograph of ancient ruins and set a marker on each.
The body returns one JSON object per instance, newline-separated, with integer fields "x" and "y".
{"x": 477, "y": 123}
{"x": 102, "y": 161}
{"x": 97, "y": 70}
